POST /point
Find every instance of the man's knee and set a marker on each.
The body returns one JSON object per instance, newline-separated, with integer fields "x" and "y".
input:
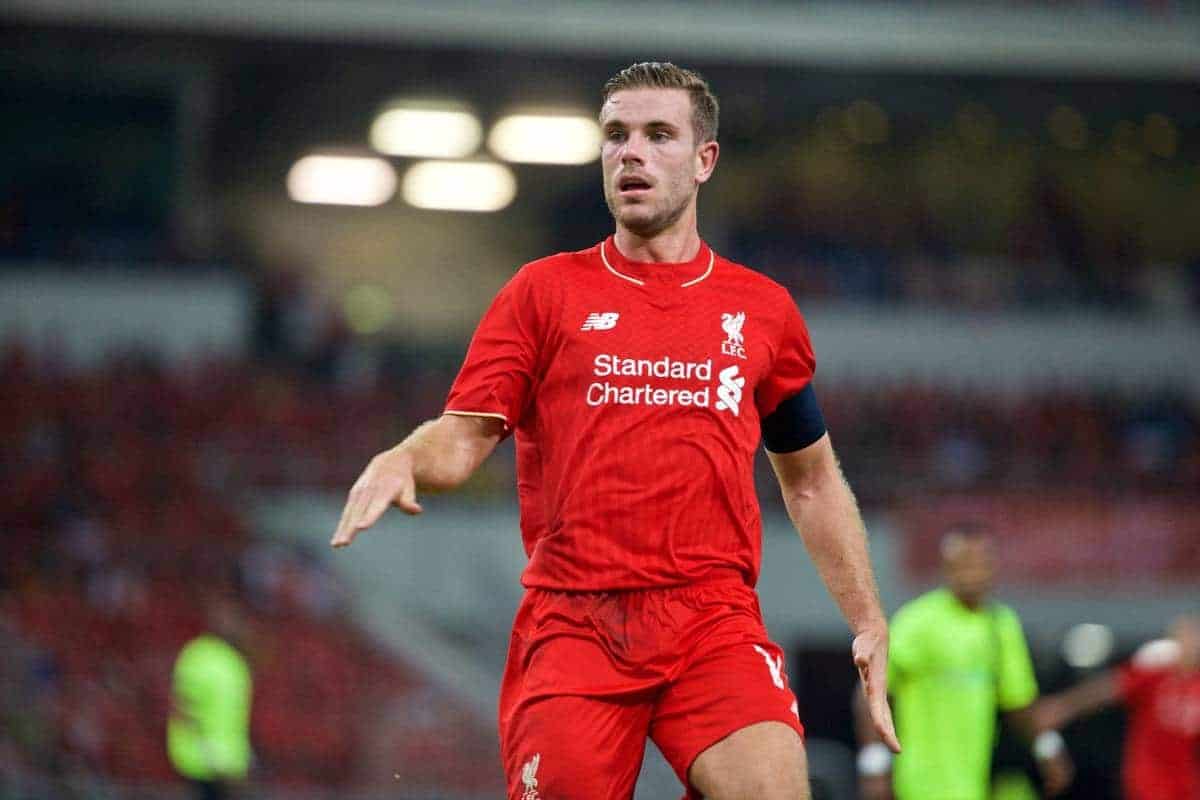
{"x": 764, "y": 761}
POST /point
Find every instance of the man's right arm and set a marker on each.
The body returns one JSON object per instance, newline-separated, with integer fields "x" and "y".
{"x": 439, "y": 455}
{"x": 1059, "y": 710}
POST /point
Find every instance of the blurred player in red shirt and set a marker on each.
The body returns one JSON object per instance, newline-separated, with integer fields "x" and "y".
{"x": 1160, "y": 689}
{"x": 638, "y": 377}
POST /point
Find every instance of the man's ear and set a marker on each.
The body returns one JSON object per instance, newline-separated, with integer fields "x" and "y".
{"x": 706, "y": 160}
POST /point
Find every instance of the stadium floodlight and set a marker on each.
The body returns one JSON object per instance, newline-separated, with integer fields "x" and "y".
{"x": 432, "y": 131}
{"x": 341, "y": 180}
{"x": 459, "y": 185}
{"x": 1087, "y": 645}
{"x": 560, "y": 138}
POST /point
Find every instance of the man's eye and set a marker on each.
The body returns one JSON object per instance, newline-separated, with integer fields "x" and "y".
{"x": 616, "y": 136}
{"x": 660, "y": 136}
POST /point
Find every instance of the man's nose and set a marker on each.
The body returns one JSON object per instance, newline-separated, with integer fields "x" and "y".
{"x": 634, "y": 150}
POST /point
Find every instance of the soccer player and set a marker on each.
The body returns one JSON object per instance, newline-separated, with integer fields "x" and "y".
{"x": 208, "y": 732}
{"x": 638, "y": 377}
{"x": 1160, "y": 689}
{"x": 957, "y": 657}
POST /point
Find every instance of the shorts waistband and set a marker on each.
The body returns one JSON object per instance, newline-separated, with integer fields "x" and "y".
{"x": 714, "y": 579}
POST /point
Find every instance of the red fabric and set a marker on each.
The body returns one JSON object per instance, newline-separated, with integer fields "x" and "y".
{"x": 1162, "y": 746}
{"x": 591, "y": 674}
{"x": 654, "y": 492}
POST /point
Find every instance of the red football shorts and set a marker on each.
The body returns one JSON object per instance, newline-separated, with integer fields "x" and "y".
{"x": 591, "y": 674}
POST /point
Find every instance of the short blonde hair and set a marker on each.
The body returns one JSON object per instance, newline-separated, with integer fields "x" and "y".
{"x": 665, "y": 75}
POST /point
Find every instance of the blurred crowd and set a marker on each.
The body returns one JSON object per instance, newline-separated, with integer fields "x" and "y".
{"x": 905, "y": 439}
{"x": 1033, "y": 246}
{"x": 121, "y": 520}
{"x": 311, "y": 417}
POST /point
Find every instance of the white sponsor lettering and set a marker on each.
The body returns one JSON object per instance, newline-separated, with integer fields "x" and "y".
{"x": 607, "y": 365}
{"x": 666, "y": 367}
{"x": 604, "y": 393}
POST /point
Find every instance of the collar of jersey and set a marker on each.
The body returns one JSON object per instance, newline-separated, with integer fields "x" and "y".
{"x": 683, "y": 273}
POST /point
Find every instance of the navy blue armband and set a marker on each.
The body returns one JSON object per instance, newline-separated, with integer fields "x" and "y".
{"x": 795, "y": 423}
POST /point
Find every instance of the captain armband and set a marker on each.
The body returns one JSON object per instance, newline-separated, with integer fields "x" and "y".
{"x": 795, "y": 423}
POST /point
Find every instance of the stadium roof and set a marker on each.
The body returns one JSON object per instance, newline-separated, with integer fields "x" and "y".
{"x": 951, "y": 37}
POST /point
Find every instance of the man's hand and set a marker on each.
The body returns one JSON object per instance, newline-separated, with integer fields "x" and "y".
{"x": 388, "y": 480}
{"x": 1057, "y": 773}
{"x": 875, "y": 787}
{"x": 1050, "y": 713}
{"x": 870, "y": 652}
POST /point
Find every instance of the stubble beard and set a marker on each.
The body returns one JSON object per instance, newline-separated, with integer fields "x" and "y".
{"x": 651, "y": 225}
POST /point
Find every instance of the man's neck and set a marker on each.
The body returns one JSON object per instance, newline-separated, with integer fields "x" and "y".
{"x": 673, "y": 246}
{"x": 969, "y": 603}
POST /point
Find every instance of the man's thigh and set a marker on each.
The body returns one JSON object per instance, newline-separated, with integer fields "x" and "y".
{"x": 731, "y": 687}
{"x": 763, "y": 761}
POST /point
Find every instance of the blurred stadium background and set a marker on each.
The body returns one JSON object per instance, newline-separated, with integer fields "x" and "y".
{"x": 989, "y": 213}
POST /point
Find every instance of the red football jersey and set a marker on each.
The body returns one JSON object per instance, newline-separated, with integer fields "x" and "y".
{"x": 1162, "y": 745}
{"x": 635, "y": 392}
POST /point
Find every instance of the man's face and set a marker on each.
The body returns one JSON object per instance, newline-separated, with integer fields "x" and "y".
{"x": 651, "y": 161}
{"x": 968, "y": 564}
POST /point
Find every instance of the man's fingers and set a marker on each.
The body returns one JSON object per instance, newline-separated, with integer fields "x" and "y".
{"x": 341, "y": 536}
{"x": 346, "y": 531}
{"x": 411, "y": 507}
{"x": 349, "y": 526}
{"x": 881, "y": 718}
{"x": 406, "y": 499}
{"x": 881, "y": 711}
{"x": 368, "y": 501}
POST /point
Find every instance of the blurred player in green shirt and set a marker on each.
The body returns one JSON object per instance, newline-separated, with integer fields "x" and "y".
{"x": 957, "y": 659}
{"x": 208, "y": 733}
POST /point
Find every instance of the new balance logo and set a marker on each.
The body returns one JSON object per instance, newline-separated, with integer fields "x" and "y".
{"x": 600, "y": 321}
{"x": 729, "y": 393}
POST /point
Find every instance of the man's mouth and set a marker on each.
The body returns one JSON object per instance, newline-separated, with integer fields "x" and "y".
{"x": 633, "y": 186}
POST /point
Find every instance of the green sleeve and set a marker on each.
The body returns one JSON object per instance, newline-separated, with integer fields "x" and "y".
{"x": 1017, "y": 685}
{"x": 902, "y": 648}
{"x": 190, "y": 681}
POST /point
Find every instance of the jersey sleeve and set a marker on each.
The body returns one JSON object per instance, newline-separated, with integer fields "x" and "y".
{"x": 500, "y": 367}
{"x": 1133, "y": 683}
{"x": 1016, "y": 685}
{"x": 793, "y": 365}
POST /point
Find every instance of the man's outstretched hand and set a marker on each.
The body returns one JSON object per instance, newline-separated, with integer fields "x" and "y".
{"x": 870, "y": 650}
{"x": 387, "y": 481}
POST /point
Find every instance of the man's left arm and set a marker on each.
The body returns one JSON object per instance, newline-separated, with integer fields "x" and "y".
{"x": 1017, "y": 694}
{"x": 823, "y": 509}
{"x": 1054, "y": 763}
